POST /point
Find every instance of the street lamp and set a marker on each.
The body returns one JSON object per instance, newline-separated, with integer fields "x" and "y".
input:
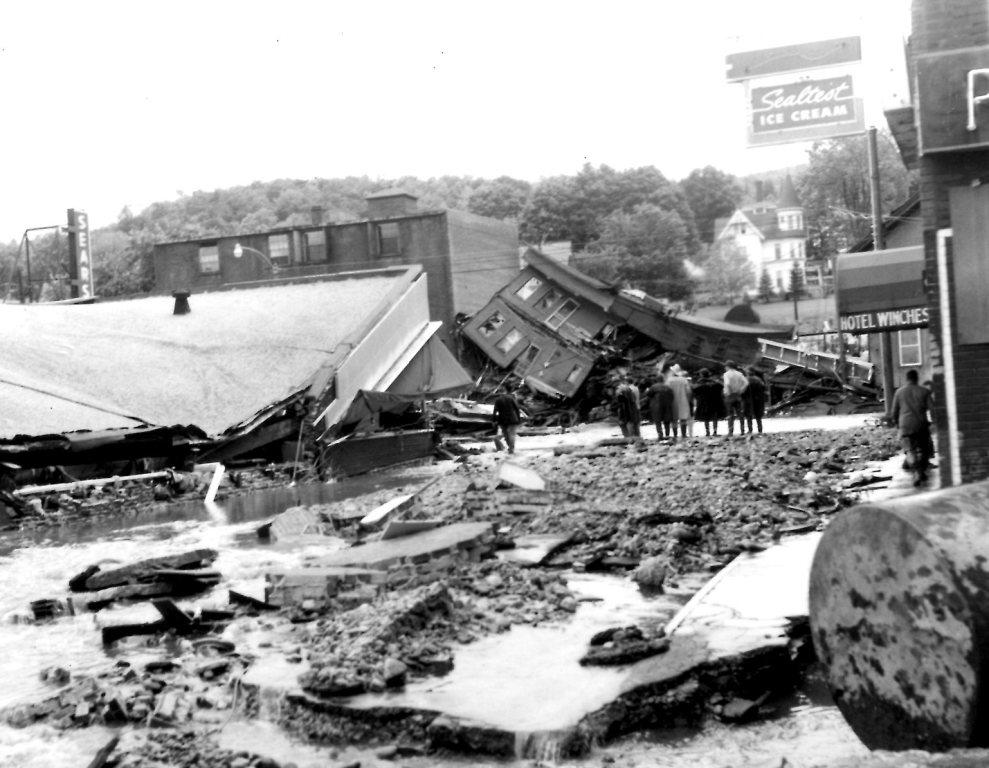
{"x": 239, "y": 251}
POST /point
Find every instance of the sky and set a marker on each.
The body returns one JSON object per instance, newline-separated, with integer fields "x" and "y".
{"x": 114, "y": 104}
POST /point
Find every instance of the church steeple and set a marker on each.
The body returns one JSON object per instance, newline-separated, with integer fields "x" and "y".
{"x": 788, "y": 194}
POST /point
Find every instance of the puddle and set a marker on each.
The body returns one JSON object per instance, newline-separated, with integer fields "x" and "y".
{"x": 530, "y": 676}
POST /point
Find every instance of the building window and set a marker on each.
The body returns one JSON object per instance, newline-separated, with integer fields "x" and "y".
{"x": 531, "y": 285}
{"x": 574, "y": 374}
{"x": 278, "y": 249}
{"x": 314, "y": 246}
{"x": 209, "y": 260}
{"x": 562, "y": 314}
{"x": 526, "y": 359}
{"x": 910, "y": 353}
{"x": 490, "y": 326}
{"x": 388, "y": 239}
{"x": 549, "y": 299}
{"x": 507, "y": 344}
{"x": 605, "y": 333}
{"x": 779, "y": 251}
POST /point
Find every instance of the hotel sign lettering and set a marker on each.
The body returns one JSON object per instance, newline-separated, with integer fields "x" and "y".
{"x": 803, "y": 104}
{"x": 887, "y": 320}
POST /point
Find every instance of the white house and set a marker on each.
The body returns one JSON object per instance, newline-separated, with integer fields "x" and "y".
{"x": 772, "y": 235}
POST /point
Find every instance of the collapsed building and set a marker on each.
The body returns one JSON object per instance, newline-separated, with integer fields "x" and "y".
{"x": 264, "y": 371}
{"x": 558, "y": 329}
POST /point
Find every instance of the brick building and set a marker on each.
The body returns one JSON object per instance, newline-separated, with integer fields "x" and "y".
{"x": 466, "y": 257}
{"x": 944, "y": 134}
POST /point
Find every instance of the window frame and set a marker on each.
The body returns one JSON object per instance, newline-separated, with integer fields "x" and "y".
{"x": 561, "y": 311}
{"x": 529, "y": 292}
{"x": 276, "y": 253}
{"x": 307, "y": 247}
{"x": 385, "y": 247}
{"x": 515, "y": 335}
{"x": 212, "y": 259}
{"x": 494, "y": 328}
{"x": 918, "y": 346}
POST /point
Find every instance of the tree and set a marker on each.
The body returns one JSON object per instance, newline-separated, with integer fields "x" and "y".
{"x": 503, "y": 198}
{"x": 644, "y": 249}
{"x": 727, "y": 270}
{"x": 836, "y": 191}
{"x": 575, "y": 207}
{"x": 765, "y": 286}
{"x": 711, "y": 194}
{"x": 796, "y": 282}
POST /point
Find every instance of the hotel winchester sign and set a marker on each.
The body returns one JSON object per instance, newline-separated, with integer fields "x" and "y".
{"x": 800, "y": 92}
{"x": 889, "y": 320}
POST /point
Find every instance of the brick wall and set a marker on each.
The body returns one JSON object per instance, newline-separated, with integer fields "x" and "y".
{"x": 940, "y": 26}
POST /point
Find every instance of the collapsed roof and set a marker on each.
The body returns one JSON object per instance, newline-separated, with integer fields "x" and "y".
{"x": 128, "y": 363}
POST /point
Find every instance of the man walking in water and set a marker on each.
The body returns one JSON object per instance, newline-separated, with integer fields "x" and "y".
{"x": 911, "y": 404}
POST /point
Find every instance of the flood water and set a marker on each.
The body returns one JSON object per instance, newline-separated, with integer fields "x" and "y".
{"x": 528, "y": 677}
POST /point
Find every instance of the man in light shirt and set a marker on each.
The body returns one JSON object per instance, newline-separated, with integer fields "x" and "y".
{"x": 735, "y": 383}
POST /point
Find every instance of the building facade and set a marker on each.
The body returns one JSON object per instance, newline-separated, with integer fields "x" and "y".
{"x": 944, "y": 134}
{"x": 771, "y": 234}
{"x": 466, "y": 257}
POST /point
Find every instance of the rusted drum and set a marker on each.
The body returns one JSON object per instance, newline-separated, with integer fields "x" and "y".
{"x": 899, "y": 611}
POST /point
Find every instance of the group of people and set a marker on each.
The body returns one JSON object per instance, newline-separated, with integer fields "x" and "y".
{"x": 674, "y": 402}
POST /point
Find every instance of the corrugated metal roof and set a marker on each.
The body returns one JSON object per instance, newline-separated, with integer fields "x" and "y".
{"x": 110, "y": 364}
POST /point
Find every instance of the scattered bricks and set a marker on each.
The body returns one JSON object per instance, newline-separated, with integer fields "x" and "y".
{"x": 293, "y": 587}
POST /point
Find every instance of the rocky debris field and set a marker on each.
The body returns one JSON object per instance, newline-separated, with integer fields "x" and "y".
{"x": 657, "y": 509}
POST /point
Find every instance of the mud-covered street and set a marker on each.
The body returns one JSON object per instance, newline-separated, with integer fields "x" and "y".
{"x": 325, "y": 668}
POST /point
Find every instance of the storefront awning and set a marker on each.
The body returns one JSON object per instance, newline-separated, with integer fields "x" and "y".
{"x": 882, "y": 290}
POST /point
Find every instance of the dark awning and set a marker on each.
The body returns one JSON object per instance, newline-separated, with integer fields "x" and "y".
{"x": 882, "y": 290}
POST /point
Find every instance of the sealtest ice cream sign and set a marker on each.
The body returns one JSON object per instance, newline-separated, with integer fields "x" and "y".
{"x": 803, "y": 104}
{"x": 800, "y": 92}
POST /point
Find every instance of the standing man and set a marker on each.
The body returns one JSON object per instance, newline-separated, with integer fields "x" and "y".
{"x": 754, "y": 399}
{"x": 627, "y": 408}
{"x": 683, "y": 399}
{"x": 735, "y": 384}
{"x": 709, "y": 404}
{"x": 911, "y": 404}
{"x": 507, "y": 416}
{"x": 660, "y": 398}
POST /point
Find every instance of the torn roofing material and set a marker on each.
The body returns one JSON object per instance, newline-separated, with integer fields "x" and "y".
{"x": 120, "y": 364}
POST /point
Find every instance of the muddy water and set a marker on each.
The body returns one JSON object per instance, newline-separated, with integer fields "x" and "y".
{"x": 515, "y": 674}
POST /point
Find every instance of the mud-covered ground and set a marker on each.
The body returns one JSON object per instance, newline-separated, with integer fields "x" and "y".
{"x": 670, "y": 508}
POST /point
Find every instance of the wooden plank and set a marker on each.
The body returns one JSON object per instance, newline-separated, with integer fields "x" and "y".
{"x": 144, "y": 570}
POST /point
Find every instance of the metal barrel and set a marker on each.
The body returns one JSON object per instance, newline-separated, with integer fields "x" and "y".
{"x": 899, "y": 611}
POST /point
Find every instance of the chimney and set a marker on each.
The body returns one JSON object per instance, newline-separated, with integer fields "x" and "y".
{"x": 316, "y": 213}
{"x": 181, "y": 302}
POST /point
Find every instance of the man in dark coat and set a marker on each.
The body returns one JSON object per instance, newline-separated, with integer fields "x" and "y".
{"x": 627, "y": 408}
{"x": 710, "y": 405}
{"x": 754, "y": 399}
{"x": 660, "y": 398}
{"x": 911, "y": 405}
{"x": 507, "y": 416}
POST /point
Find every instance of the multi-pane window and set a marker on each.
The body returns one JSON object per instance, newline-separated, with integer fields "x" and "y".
{"x": 388, "y": 244}
{"x": 278, "y": 248}
{"x": 562, "y": 314}
{"x": 508, "y": 343}
{"x": 910, "y": 352}
{"x": 314, "y": 246}
{"x": 779, "y": 251}
{"x": 548, "y": 300}
{"x": 209, "y": 259}
{"x": 530, "y": 287}
{"x": 490, "y": 326}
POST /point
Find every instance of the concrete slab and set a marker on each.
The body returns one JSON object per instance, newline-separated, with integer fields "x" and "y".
{"x": 389, "y": 509}
{"x": 535, "y": 549}
{"x": 292, "y": 587}
{"x": 523, "y": 477}
{"x": 449, "y": 539}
